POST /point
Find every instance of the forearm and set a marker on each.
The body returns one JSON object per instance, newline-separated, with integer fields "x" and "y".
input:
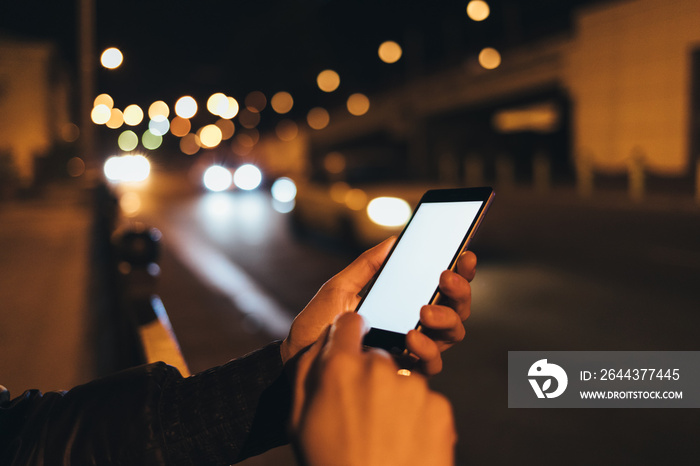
{"x": 230, "y": 412}
{"x": 151, "y": 415}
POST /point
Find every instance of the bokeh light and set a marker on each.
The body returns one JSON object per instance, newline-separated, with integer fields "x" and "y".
{"x": 478, "y": 10}
{"x": 389, "y": 211}
{"x": 70, "y": 132}
{"x": 186, "y": 107}
{"x": 111, "y": 58}
{"x": 133, "y": 115}
{"x": 128, "y": 141}
{"x": 227, "y": 128}
{"x": 355, "y": 199}
{"x": 334, "y": 162}
{"x": 217, "y": 178}
{"x": 217, "y": 104}
{"x": 247, "y": 139}
{"x": 127, "y": 168}
{"x": 389, "y": 52}
{"x": 256, "y": 101}
{"x": 318, "y": 118}
{"x": 100, "y": 114}
{"x": 158, "y": 109}
{"x": 358, "y": 104}
{"x": 248, "y": 118}
{"x": 328, "y": 80}
{"x": 180, "y": 126}
{"x": 130, "y": 203}
{"x": 159, "y": 126}
{"x": 286, "y": 130}
{"x": 103, "y": 99}
{"x": 75, "y": 167}
{"x": 116, "y": 119}
{"x": 210, "y": 136}
{"x": 282, "y": 102}
{"x": 247, "y": 177}
{"x": 232, "y": 109}
{"x": 284, "y": 189}
{"x": 489, "y": 58}
{"x": 189, "y": 144}
{"x": 150, "y": 140}
{"x": 338, "y": 191}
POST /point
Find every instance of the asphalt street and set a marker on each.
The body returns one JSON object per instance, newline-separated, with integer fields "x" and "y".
{"x": 555, "y": 273}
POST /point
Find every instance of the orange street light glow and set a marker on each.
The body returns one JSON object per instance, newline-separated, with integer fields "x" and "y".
{"x": 328, "y": 80}
{"x": 116, "y": 120}
{"x": 358, "y": 104}
{"x": 210, "y": 136}
{"x": 158, "y": 109}
{"x": 489, "y": 58}
{"x": 286, "y": 130}
{"x": 255, "y": 101}
{"x": 180, "y": 126}
{"x": 103, "y": 99}
{"x": 282, "y": 102}
{"x": 227, "y": 128}
{"x": 318, "y": 118}
{"x": 189, "y": 144}
{"x": 390, "y": 52}
{"x": 231, "y": 110}
{"x": 478, "y": 10}
{"x": 249, "y": 118}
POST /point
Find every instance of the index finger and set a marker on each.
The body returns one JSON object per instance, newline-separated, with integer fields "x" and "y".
{"x": 346, "y": 334}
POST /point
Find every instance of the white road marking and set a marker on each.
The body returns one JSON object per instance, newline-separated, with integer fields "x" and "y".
{"x": 216, "y": 270}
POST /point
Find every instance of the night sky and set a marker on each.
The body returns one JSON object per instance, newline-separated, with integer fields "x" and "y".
{"x": 178, "y": 47}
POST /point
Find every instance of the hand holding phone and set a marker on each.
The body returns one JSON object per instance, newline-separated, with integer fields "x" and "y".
{"x": 442, "y": 225}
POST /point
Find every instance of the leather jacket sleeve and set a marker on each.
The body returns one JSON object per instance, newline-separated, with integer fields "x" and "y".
{"x": 151, "y": 415}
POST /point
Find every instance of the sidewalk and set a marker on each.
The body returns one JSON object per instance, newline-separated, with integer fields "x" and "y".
{"x": 43, "y": 276}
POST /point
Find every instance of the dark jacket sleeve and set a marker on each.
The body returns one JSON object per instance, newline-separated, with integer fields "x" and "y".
{"x": 150, "y": 415}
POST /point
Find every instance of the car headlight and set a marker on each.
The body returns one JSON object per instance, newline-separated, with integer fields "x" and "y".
{"x": 217, "y": 178}
{"x": 389, "y": 211}
{"x": 284, "y": 189}
{"x": 127, "y": 168}
{"x": 247, "y": 177}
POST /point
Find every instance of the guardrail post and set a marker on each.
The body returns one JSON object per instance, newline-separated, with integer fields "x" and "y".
{"x": 138, "y": 249}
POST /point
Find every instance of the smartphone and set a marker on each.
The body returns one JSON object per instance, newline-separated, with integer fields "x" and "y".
{"x": 440, "y": 229}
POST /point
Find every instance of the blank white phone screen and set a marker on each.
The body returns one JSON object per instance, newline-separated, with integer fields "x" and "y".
{"x": 412, "y": 273}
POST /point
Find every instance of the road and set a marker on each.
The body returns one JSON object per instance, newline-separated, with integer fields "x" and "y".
{"x": 555, "y": 273}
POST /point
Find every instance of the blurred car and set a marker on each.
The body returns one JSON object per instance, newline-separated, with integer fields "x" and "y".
{"x": 362, "y": 215}
{"x": 359, "y": 192}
